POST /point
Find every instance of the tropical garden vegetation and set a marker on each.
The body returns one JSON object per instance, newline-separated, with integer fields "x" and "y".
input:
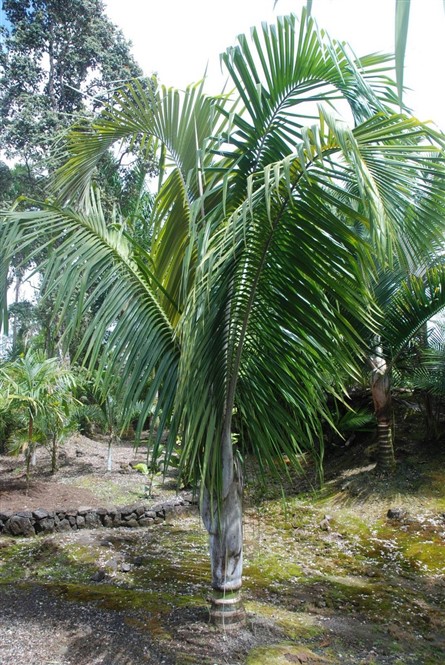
{"x": 293, "y": 236}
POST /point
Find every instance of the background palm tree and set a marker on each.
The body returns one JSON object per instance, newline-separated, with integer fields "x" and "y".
{"x": 41, "y": 389}
{"x": 257, "y": 255}
{"x": 407, "y": 303}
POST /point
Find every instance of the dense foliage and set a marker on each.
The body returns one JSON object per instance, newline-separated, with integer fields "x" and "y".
{"x": 60, "y": 61}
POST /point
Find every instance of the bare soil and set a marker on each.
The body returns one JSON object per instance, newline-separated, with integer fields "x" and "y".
{"x": 82, "y": 478}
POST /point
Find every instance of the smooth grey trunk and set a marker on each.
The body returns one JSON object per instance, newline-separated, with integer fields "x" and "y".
{"x": 110, "y": 453}
{"x": 223, "y": 519}
{"x": 381, "y": 396}
{"x": 33, "y": 455}
{"x": 15, "y": 325}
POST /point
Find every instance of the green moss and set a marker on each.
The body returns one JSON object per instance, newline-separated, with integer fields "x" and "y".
{"x": 112, "y": 597}
{"x": 270, "y": 568}
{"x": 295, "y": 624}
{"x": 283, "y": 654}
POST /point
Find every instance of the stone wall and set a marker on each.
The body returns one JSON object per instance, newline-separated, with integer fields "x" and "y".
{"x": 30, "y": 523}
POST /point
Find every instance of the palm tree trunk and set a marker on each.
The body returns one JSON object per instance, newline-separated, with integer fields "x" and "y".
{"x": 15, "y": 324}
{"x": 54, "y": 454}
{"x": 223, "y": 520}
{"x": 29, "y": 452}
{"x": 381, "y": 395}
{"x": 110, "y": 453}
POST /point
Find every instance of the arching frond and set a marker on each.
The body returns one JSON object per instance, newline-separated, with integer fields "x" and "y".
{"x": 92, "y": 269}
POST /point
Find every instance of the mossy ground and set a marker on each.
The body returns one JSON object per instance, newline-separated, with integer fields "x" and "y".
{"x": 328, "y": 577}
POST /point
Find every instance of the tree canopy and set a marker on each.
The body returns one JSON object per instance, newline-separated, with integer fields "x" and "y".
{"x": 60, "y": 60}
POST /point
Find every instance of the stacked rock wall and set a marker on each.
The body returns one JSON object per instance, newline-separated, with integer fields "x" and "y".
{"x": 30, "y": 523}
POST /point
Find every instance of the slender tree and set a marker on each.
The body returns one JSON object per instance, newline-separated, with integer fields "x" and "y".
{"x": 407, "y": 303}
{"x": 40, "y": 388}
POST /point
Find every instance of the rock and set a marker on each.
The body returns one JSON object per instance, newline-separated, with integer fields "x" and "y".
{"x": 40, "y": 514}
{"x": 125, "y": 567}
{"x": 46, "y": 524}
{"x": 138, "y": 561}
{"x": 25, "y": 513}
{"x": 112, "y": 564}
{"x": 20, "y": 526}
{"x": 324, "y": 524}
{"x": 98, "y": 576}
{"x": 395, "y": 513}
{"x": 146, "y": 521}
{"x": 132, "y": 524}
{"x": 92, "y": 520}
{"x": 133, "y": 516}
{"x": 169, "y": 512}
{"x": 105, "y": 543}
{"x": 64, "y": 525}
{"x": 83, "y": 510}
{"x": 127, "y": 510}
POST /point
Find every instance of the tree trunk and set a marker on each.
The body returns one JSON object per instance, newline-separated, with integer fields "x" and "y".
{"x": 110, "y": 453}
{"x": 54, "y": 454}
{"x": 381, "y": 395}
{"x": 223, "y": 519}
{"x": 29, "y": 452}
{"x": 15, "y": 323}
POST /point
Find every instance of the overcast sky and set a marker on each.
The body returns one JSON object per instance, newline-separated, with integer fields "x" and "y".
{"x": 178, "y": 39}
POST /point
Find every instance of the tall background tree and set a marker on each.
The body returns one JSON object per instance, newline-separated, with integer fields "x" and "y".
{"x": 59, "y": 60}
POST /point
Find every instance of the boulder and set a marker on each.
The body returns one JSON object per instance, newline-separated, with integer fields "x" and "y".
{"x": 20, "y": 526}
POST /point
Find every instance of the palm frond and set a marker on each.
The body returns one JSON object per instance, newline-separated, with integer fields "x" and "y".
{"x": 140, "y": 349}
{"x": 417, "y": 300}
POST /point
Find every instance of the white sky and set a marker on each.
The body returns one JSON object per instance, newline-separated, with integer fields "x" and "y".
{"x": 178, "y": 39}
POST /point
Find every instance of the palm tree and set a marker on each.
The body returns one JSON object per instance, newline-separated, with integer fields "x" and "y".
{"x": 257, "y": 256}
{"x": 407, "y": 303}
{"x": 423, "y": 370}
{"x": 40, "y": 388}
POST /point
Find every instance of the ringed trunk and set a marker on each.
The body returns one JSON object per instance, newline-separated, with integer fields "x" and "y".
{"x": 381, "y": 395}
{"x": 223, "y": 519}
